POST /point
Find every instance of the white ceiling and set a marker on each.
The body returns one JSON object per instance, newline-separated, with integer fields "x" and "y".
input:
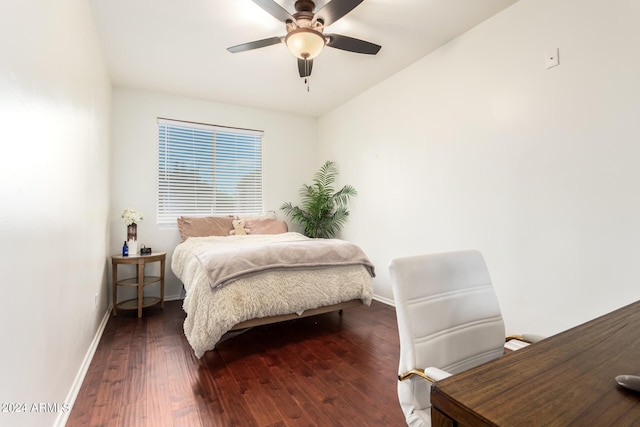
{"x": 179, "y": 47}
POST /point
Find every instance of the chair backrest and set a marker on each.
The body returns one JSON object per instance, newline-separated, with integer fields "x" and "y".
{"x": 448, "y": 317}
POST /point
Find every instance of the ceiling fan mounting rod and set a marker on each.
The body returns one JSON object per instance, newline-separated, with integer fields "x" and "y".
{"x": 305, "y": 6}
{"x": 304, "y": 16}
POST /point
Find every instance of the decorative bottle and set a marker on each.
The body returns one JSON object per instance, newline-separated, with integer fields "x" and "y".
{"x": 125, "y": 249}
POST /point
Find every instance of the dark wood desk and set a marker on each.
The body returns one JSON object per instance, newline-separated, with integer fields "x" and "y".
{"x": 566, "y": 379}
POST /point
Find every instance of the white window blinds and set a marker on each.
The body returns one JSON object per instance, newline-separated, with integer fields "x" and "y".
{"x": 207, "y": 170}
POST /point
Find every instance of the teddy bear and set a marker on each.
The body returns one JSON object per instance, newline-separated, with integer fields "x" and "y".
{"x": 238, "y": 228}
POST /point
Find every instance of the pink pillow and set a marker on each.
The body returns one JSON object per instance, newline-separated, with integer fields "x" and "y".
{"x": 265, "y": 226}
{"x": 207, "y": 226}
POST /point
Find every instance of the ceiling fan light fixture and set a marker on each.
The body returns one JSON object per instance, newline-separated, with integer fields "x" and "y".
{"x": 305, "y": 43}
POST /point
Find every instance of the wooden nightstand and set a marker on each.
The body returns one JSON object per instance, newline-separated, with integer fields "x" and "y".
{"x": 140, "y": 281}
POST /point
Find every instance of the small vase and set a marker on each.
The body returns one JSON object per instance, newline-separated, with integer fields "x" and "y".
{"x": 132, "y": 231}
{"x": 132, "y": 239}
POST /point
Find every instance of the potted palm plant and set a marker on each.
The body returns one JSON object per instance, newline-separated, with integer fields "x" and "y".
{"x": 323, "y": 211}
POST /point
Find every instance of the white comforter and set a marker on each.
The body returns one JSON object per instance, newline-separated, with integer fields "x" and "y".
{"x": 213, "y": 312}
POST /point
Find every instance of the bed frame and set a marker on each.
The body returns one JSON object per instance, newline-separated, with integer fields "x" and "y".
{"x": 281, "y": 318}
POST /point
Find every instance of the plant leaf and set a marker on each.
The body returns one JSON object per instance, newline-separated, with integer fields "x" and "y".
{"x": 324, "y": 211}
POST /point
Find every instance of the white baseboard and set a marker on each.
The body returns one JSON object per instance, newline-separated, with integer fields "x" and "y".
{"x": 62, "y": 418}
{"x": 172, "y": 297}
{"x": 384, "y": 300}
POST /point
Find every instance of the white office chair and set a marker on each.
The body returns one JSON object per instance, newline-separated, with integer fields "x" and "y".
{"x": 449, "y": 320}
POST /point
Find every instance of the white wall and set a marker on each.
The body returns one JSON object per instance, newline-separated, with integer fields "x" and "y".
{"x": 479, "y": 146}
{"x": 290, "y": 153}
{"x": 54, "y": 116}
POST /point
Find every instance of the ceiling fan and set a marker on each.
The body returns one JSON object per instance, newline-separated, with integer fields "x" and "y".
{"x": 305, "y": 31}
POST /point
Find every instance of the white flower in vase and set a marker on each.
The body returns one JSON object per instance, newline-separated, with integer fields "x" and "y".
{"x": 131, "y": 217}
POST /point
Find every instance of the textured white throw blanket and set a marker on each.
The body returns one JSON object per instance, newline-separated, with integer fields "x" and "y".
{"x": 213, "y": 312}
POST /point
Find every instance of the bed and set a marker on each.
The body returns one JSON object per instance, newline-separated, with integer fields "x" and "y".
{"x": 233, "y": 282}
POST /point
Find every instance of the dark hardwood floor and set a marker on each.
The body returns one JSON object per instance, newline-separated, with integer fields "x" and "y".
{"x": 327, "y": 370}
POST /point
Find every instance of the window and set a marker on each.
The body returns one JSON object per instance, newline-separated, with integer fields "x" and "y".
{"x": 207, "y": 170}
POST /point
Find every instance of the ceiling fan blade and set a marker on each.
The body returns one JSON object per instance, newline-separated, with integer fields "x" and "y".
{"x": 335, "y": 10}
{"x": 304, "y": 67}
{"x": 255, "y": 44}
{"x": 275, "y": 10}
{"x": 350, "y": 44}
